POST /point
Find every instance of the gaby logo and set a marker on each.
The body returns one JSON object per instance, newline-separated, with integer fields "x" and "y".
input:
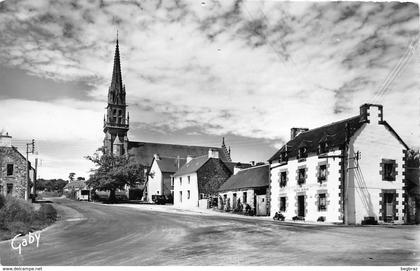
{"x": 30, "y": 239}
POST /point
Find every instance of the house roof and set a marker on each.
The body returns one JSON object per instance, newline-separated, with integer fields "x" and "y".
{"x": 232, "y": 165}
{"x": 169, "y": 164}
{"x": 192, "y": 166}
{"x": 144, "y": 152}
{"x": 248, "y": 178}
{"x": 334, "y": 134}
{"x": 75, "y": 184}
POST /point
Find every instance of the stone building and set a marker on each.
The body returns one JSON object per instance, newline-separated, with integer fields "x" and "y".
{"x": 199, "y": 179}
{"x": 247, "y": 186}
{"x": 349, "y": 171}
{"x": 116, "y": 127}
{"x": 13, "y": 170}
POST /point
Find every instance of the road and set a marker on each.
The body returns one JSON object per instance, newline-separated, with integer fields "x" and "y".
{"x": 94, "y": 234}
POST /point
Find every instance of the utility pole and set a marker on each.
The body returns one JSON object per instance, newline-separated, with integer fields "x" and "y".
{"x": 32, "y": 145}
{"x": 35, "y": 177}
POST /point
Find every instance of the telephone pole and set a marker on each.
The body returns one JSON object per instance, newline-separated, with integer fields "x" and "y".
{"x": 32, "y": 145}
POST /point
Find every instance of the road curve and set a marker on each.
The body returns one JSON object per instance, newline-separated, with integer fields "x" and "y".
{"x": 95, "y": 234}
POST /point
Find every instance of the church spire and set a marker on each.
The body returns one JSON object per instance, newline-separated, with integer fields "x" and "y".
{"x": 116, "y": 94}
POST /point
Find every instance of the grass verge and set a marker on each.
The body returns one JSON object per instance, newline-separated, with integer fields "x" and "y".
{"x": 20, "y": 217}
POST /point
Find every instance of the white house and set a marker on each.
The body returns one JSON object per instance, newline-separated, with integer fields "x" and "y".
{"x": 160, "y": 180}
{"x": 348, "y": 171}
{"x": 247, "y": 186}
{"x": 199, "y": 179}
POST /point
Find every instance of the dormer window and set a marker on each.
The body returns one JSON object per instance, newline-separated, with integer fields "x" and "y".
{"x": 283, "y": 156}
{"x": 302, "y": 152}
{"x": 323, "y": 147}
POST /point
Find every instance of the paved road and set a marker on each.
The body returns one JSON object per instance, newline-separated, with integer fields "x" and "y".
{"x": 93, "y": 234}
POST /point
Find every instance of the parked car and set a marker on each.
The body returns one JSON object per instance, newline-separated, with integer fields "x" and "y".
{"x": 159, "y": 199}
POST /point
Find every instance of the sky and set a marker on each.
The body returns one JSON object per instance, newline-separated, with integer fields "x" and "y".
{"x": 197, "y": 71}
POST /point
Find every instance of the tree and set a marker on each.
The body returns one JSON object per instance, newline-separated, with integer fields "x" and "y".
{"x": 114, "y": 172}
{"x": 71, "y": 176}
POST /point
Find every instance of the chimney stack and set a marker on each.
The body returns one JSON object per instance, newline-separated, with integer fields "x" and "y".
{"x": 5, "y": 140}
{"x": 371, "y": 113}
{"x": 294, "y": 132}
{"x": 213, "y": 153}
{"x": 189, "y": 158}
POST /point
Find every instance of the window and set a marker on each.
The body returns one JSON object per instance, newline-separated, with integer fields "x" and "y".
{"x": 1, "y": 189}
{"x": 323, "y": 147}
{"x": 172, "y": 181}
{"x": 301, "y": 176}
{"x": 9, "y": 188}
{"x": 322, "y": 202}
{"x": 388, "y": 171}
{"x": 180, "y": 196}
{"x": 302, "y": 152}
{"x": 9, "y": 169}
{"x": 283, "y": 178}
{"x": 244, "y": 195}
{"x": 188, "y": 194}
{"x": 180, "y": 180}
{"x": 282, "y": 204}
{"x": 322, "y": 173}
{"x": 188, "y": 179}
{"x": 283, "y": 156}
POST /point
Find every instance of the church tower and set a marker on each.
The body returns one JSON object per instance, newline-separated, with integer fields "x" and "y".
{"x": 116, "y": 120}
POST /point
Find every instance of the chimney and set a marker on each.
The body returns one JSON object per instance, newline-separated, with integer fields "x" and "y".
{"x": 213, "y": 153}
{"x": 189, "y": 158}
{"x": 5, "y": 140}
{"x": 371, "y": 113}
{"x": 236, "y": 168}
{"x": 294, "y": 132}
{"x": 156, "y": 156}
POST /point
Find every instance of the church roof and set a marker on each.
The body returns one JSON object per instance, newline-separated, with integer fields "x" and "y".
{"x": 144, "y": 152}
{"x": 253, "y": 177}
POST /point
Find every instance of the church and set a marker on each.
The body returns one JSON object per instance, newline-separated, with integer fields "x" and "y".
{"x": 116, "y": 127}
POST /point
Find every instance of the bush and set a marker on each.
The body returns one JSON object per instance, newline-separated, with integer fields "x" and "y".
{"x": 16, "y": 210}
{"x": 19, "y": 217}
{"x": 47, "y": 212}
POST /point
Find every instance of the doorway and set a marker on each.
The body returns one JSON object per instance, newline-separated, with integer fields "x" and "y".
{"x": 261, "y": 205}
{"x": 389, "y": 200}
{"x": 301, "y": 205}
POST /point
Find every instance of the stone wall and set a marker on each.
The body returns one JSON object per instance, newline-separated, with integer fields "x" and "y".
{"x": 9, "y": 155}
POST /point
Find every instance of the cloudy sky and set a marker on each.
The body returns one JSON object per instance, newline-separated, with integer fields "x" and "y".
{"x": 199, "y": 70}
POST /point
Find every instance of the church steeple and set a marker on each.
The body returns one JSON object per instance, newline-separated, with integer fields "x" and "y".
{"x": 115, "y": 123}
{"x": 116, "y": 93}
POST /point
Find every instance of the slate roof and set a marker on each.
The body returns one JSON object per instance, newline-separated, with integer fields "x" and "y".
{"x": 232, "y": 165}
{"x": 248, "y": 178}
{"x": 75, "y": 185}
{"x": 334, "y": 133}
{"x": 144, "y": 151}
{"x": 170, "y": 165}
{"x": 194, "y": 165}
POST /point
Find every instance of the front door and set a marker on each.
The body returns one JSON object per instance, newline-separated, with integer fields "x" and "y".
{"x": 261, "y": 205}
{"x": 301, "y": 206}
{"x": 389, "y": 207}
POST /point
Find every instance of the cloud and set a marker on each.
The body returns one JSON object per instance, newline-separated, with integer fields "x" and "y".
{"x": 246, "y": 68}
